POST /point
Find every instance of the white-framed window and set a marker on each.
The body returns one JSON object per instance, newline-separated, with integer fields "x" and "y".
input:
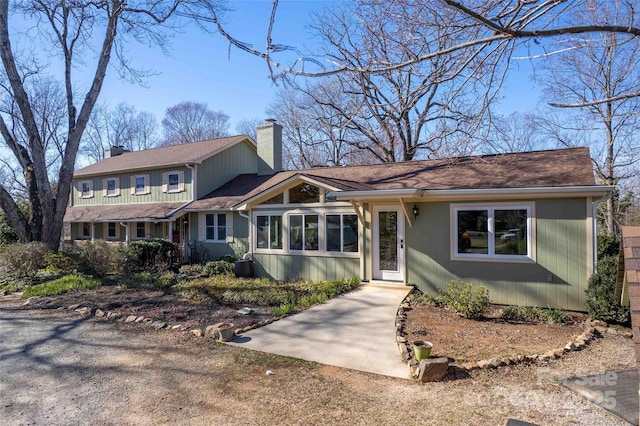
{"x": 86, "y": 230}
{"x": 111, "y": 187}
{"x": 341, "y": 233}
{"x": 86, "y": 189}
{"x": 216, "y": 227}
{"x": 112, "y": 230}
{"x": 303, "y": 232}
{"x": 173, "y": 181}
{"x": 500, "y": 231}
{"x": 308, "y": 232}
{"x": 140, "y": 185}
{"x": 269, "y": 232}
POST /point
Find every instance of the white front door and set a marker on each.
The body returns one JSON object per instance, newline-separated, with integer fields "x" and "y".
{"x": 388, "y": 244}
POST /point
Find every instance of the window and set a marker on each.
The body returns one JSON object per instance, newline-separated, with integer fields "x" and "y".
{"x": 304, "y": 193}
{"x": 278, "y": 199}
{"x": 173, "y": 181}
{"x": 111, "y": 187}
{"x": 141, "y": 229}
{"x": 303, "y": 232}
{"x": 140, "y": 184}
{"x": 216, "y": 227}
{"x": 269, "y": 232}
{"x": 341, "y": 233}
{"x": 112, "y": 230}
{"x": 86, "y": 229}
{"x": 86, "y": 189}
{"x": 498, "y": 231}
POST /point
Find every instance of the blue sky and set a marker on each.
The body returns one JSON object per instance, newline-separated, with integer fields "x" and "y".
{"x": 200, "y": 68}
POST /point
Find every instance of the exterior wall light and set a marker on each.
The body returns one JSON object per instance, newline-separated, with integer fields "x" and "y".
{"x": 416, "y": 211}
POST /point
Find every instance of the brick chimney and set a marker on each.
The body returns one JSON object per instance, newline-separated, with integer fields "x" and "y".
{"x": 269, "y": 140}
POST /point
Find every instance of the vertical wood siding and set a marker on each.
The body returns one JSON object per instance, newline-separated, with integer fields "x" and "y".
{"x": 561, "y": 240}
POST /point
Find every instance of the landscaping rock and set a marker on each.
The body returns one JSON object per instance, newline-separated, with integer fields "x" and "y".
{"x": 469, "y": 366}
{"x": 147, "y": 321}
{"x": 196, "y": 332}
{"x": 139, "y": 319}
{"x": 558, "y": 352}
{"x": 626, "y": 333}
{"x": 71, "y": 307}
{"x": 495, "y": 362}
{"x": 176, "y": 327}
{"x": 484, "y": 364}
{"x": 211, "y": 331}
{"x": 505, "y": 361}
{"x": 99, "y": 313}
{"x": 612, "y": 330}
{"x": 571, "y": 346}
{"x": 84, "y": 310}
{"x": 598, "y": 323}
{"x": 601, "y": 330}
{"x": 130, "y": 318}
{"x": 433, "y": 369}
{"x": 158, "y": 325}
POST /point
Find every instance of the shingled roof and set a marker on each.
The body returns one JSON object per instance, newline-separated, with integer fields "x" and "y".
{"x": 167, "y": 156}
{"x": 537, "y": 169}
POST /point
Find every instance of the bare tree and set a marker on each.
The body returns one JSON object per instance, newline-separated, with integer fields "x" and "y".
{"x": 122, "y": 126}
{"x": 191, "y": 122}
{"x": 408, "y": 113}
{"x": 517, "y": 132}
{"x": 314, "y": 135}
{"x": 248, "y": 127}
{"x": 73, "y": 29}
{"x": 591, "y": 81}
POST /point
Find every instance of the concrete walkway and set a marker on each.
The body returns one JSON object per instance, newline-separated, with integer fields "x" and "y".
{"x": 355, "y": 330}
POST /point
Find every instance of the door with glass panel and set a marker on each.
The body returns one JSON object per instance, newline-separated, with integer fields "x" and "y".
{"x": 388, "y": 244}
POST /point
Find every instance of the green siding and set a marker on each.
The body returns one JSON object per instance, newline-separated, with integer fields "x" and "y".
{"x": 284, "y": 267}
{"x": 225, "y": 166}
{"x": 155, "y": 196}
{"x": 213, "y": 251}
{"x": 561, "y": 240}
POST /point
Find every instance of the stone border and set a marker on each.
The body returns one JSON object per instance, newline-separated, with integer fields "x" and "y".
{"x": 209, "y": 331}
{"x": 593, "y": 330}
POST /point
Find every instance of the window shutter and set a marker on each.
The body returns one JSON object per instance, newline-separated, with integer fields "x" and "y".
{"x": 230, "y": 227}
{"x": 165, "y": 181}
{"x": 202, "y": 220}
{"x": 147, "y": 182}
{"x": 181, "y": 180}
{"x": 117, "y": 189}
{"x": 147, "y": 232}
{"x": 132, "y": 182}
{"x": 104, "y": 187}
{"x": 91, "y": 189}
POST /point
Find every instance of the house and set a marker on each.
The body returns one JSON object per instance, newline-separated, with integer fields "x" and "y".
{"x": 520, "y": 224}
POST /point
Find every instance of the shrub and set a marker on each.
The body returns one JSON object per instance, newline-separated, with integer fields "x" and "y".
{"x": 62, "y": 285}
{"x": 153, "y": 255}
{"x": 98, "y": 258}
{"x": 194, "y": 270}
{"x": 285, "y": 309}
{"x": 601, "y": 301}
{"x": 467, "y": 299}
{"x": 608, "y": 245}
{"x": 219, "y": 267}
{"x": 22, "y": 260}
{"x": 533, "y": 314}
{"x": 62, "y": 262}
{"x": 137, "y": 280}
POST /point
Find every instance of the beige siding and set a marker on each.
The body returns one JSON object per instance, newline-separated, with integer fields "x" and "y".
{"x": 561, "y": 239}
{"x": 220, "y": 169}
{"x": 155, "y": 195}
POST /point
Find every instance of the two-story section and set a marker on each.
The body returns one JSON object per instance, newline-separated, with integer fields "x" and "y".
{"x": 142, "y": 194}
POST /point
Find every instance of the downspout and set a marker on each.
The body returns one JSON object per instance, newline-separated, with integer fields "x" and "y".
{"x": 194, "y": 191}
{"x": 248, "y": 254}
{"x": 126, "y": 235}
{"x": 594, "y": 217}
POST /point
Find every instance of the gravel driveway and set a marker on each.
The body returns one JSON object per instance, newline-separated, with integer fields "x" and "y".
{"x": 66, "y": 370}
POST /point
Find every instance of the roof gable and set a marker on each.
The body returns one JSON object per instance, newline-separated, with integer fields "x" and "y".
{"x": 195, "y": 152}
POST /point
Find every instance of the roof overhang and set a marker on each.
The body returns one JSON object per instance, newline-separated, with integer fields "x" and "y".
{"x": 475, "y": 194}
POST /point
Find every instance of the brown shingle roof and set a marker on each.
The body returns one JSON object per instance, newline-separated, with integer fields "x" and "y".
{"x": 167, "y": 156}
{"x": 552, "y": 168}
{"x": 120, "y": 212}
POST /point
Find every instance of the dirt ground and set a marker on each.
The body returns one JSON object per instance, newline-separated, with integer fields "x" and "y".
{"x": 453, "y": 336}
{"x": 467, "y": 340}
{"x": 136, "y": 375}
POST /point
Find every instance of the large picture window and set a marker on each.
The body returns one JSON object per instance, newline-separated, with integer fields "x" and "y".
{"x": 498, "y": 231}
{"x": 341, "y": 233}
{"x": 269, "y": 232}
{"x": 303, "y": 232}
{"x": 216, "y": 227}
